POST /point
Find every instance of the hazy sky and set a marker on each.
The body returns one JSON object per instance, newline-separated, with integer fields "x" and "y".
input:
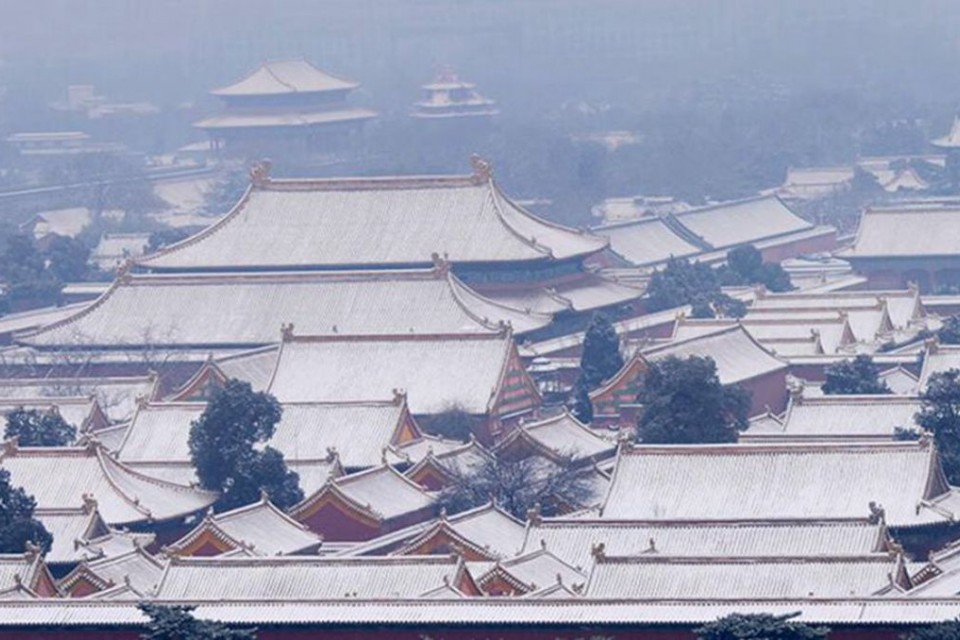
{"x": 172, "y": 49}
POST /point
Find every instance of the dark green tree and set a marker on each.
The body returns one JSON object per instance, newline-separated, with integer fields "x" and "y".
{"x": 682, "y": 282}
{"x": 601, "y": 357}
{"x": 745, "y": 265}
{"x": 940, "y": 415}
{"x": 851, "y": 377}
{"x": 68, "y": 260}
{"x": 453, "y": 423}
{"x": 34, "y": 428}
{"x": 684, "y": 402}
{"x": 946, "y": 630}
{"x": 177, "y": 623}
{"x": 223, "y": 447}
{"x": 17, "y": 524}
{"x": 165, "y": 237}
{"x": 28, "y": 283}
{"x": 950, "y": 331}
{"x": 580, "y": 404}
{"x": 761, "y": 626}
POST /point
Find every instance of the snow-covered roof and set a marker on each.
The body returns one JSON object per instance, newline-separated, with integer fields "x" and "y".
{"x": 61, "y": 477}
{"x": 952, "y": 139}
{"x": 737, "y": 355}
{"x": 437, "y": 373}
{"x": 357, "y": 431}
{"x": 938, "y": 359}
{"x": 931, "y": 230}
{"x": 903, "y": 305}
{"x": 117, "y": 396}
{"x": 575, "y": 540}
{"x": 231, "y": 120}
{"x": 249, "y": 309}
{"x": 285, "y": 77}
{"x": 729, "y": 224}
{"x": 486, "y": 528}
{"x": 379, "y": 222}
{"x": 77, "y": 412}
{"x": 562, "y": 435}
{"x": 652, "y": 577}
{"x": 305, "y": 578}
{"x": 841, "y": 417}
{"x": 534, "y": 570}
{"x": 647, "y": 241}
{"x": 781, "y": 482}
{"x": 137, "y": 568}
{"x": 383, "y": 491}
{"x": 260, "y": 529}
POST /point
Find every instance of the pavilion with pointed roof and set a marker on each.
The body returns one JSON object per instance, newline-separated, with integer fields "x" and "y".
{"x": 288, "y": 107}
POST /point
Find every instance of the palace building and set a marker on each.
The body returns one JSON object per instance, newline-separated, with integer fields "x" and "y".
{"x": 494, "y": 247}
{"x": 448, "y": 97}
{"x": 286, "y": 108}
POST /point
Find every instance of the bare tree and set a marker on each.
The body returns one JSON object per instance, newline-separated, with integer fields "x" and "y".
{"x": 519, "y": 486}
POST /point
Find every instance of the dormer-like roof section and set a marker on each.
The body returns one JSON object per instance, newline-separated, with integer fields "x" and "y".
{"x": 62, "y": 477}
{"x": 373, "y": 223}
{"x": 557, "y": 437}
{"x": 303, "y": 578}
{"x": 136, "y": 568}
{"x": 283, "y": 78}
{"x": 259, "y": 529}
{"x": 486, "y": 530}
{"x": 249, "y": 309}
{"x": 381, "y": 492}
{"x": 760, "y": 482}
{"x": 737, "y": 355}
{"x": 436, "y": 372}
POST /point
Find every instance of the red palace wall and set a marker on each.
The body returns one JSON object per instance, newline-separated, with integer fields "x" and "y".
{"x": 767, "y": 391}
{"x": 817, "y": 244}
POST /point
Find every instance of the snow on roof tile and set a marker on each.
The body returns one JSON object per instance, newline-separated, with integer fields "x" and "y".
{"x": 285, "y": 77}
{"x": 932, "y": 230}
{"x": 59, "y": 478}
{"x": 842, "y": 417}
{"x": 437, "y": 373}
{"x": 647, "y": 241}
{"x": 305, "y": 578}
{"x": 259, "y": 528}
{"x": 250, "y": 309}
{"x": 730, "y": 224}
{"x": 307, "y": 432}
{"x": 117, "y": 396}
{"x": 785, "y": 481}
{"x": 647, "y": 577}
{"x": 289, "y": 224}
{"x": 738, "y": 356}
{"x": 574, "y": 540}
